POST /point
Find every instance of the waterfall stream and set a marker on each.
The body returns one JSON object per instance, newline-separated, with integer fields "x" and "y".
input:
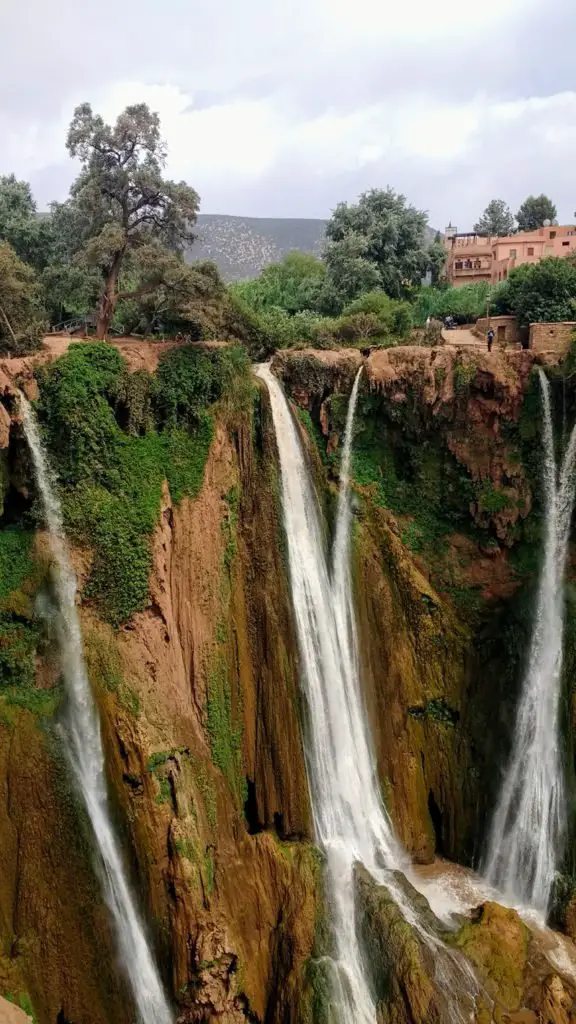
{"x": 85, "y": 752}
{"x": 351, "y": 822}
{"x": 527, "y": 829}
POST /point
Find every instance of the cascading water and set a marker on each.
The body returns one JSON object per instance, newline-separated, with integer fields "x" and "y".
{"x": 86, "y": 755}
{"x": 526, "y": 833}
{"x": 350, "y": 820}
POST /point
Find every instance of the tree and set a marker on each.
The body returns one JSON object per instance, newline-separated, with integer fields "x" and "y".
{"x": 544, "y": 291}
{"x": 293, "y": 284}
{"x": 497, "y": 219}
{"x": 21, "y": 315}
{"x": 534, "y": 211}
{"x": 393, "y": 316}
{"x": 380, "y": 242}
{"x": 436, "y": 259}
{"x": 20, "y": 225}
{"x": 125, "y": 213}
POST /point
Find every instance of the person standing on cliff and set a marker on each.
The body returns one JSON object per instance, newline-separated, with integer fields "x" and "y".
{"x": 490, "y": 339}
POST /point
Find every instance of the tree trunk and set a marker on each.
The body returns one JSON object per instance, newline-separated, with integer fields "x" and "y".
{"x": 109, "y": 298}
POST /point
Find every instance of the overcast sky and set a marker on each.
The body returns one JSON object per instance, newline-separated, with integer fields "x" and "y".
{"x": 285, "y": 107}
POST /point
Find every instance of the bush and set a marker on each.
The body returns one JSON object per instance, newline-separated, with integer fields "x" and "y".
{"x": 394, "y": 317}
{"x": 543, "y": 292}
{"x": 358, "y": 327}
{"x": 112, "y": 464}
{"x": 465, "y": 304}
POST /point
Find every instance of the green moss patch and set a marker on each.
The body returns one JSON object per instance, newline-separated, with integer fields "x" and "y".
{"x": 114, "y": 438}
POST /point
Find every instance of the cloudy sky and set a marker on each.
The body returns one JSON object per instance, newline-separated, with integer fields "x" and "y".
{"x": 284, "y": 107}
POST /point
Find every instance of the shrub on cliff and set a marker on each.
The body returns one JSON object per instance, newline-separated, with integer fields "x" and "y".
{"x": 114, "y": 437}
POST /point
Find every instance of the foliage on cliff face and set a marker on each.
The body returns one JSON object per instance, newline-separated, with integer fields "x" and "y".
{"x": 114, "y": 438}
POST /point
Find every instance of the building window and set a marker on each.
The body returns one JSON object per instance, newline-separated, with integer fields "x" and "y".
{"x": 505, "y": 275}
{"x": 477, "y": 265}
{"x": 458, "y": 265}
{"x": 530, "y": 250}
{"x": 512, "y": 254}
{"x": 552, "y": 234}
{"x": 565, "y": 243}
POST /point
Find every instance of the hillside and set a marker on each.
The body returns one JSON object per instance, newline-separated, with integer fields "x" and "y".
{"x": 242, "y": 246}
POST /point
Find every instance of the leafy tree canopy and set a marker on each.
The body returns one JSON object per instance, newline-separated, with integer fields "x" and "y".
{"x": 20, "y": 225}
{"x": 293, "y": 284}
{"x": 544, "y": 291}
{"x": 393, "y": 317}
{"x": 379, "y": 242}
{"x": 22, "y": 320}
{"x": 121, "y": 206}
{"x": 436, "y": 259}
{"x": 534, "y": 211}
{"x": 497, "y": 219}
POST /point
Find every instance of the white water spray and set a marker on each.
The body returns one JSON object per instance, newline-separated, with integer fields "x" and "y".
{"x": 86, "y": 754}
{"x": 527, "y": 830}
{"x": 350, "y": 820}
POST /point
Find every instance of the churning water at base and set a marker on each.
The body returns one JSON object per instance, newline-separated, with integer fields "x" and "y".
{"x": 350, "y": 820}
{"x": 86, "y": 754}
{"x": 527, "y": 830}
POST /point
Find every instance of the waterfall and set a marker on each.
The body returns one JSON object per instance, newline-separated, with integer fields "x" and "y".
{"x": 527, "y": 829}
{"x": 350, "y": 820}
{"x": 85, "y": 752}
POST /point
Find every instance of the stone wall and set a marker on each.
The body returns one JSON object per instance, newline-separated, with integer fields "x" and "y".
{"x": 551, "y": 337}
{"x": 504, "y": 327}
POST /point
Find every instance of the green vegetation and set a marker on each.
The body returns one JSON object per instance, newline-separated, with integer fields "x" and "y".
{"x": 293, "y": 285}
{"x": 497, "y": 219}
{"x": 377, "y": 243}
{"x": 21, "y": 315}
{"x": 410, "y": 474}
{"x": 437, "y": 710}
{"x": 127, "y": 219}
{"x": 111, "y": 462}
{"x": 491, "y": 499}
{"x": 544, "y": 291}
{"x": 464, "y": 373}
{"x": 15, "y": 559}
{"x": 225, "y": 728}
{"x": 20, "y": 632}
{"x": 465, "y": 304}
{"x": 534, "y": 211}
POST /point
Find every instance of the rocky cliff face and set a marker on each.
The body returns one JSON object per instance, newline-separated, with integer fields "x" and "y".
{"x": 201, "y": 709}
{"x": 447, "y": 520}
{"x": 201, "y": 721}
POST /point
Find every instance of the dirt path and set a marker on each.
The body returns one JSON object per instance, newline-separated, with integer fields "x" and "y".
{"x": 462, "y": 338}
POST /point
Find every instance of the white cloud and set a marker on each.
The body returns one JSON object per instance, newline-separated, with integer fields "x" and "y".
{"x": 303, "y": 102}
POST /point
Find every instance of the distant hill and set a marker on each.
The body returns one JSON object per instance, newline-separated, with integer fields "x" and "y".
{"x": 242, "y": 246}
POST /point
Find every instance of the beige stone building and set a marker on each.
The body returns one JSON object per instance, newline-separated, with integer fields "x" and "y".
{"x": 473, "y": 258}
